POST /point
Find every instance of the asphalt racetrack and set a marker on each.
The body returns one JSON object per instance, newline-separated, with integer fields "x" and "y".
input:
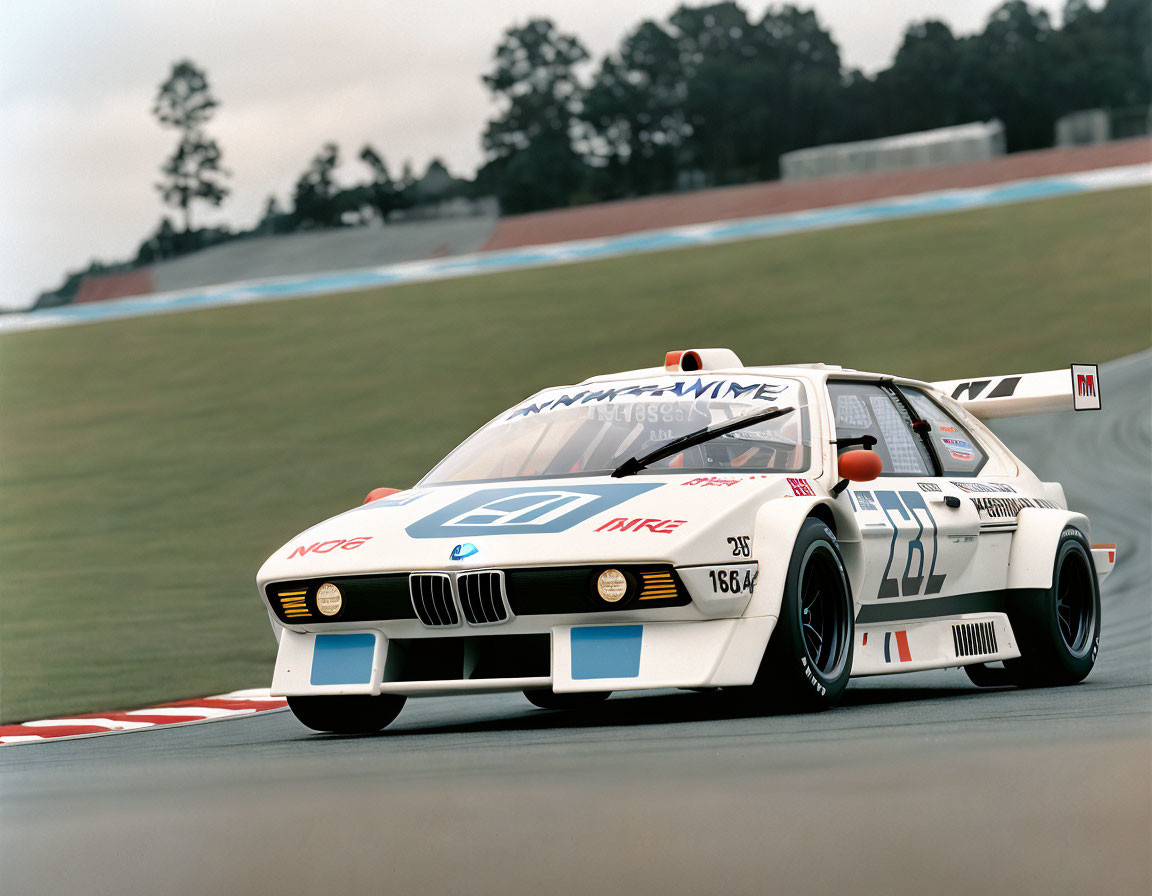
{"x": 917, "y": 784}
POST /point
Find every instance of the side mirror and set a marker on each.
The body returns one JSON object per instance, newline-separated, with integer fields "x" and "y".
{"x": 860, "y": 465}
{"x": 377, "y": 493}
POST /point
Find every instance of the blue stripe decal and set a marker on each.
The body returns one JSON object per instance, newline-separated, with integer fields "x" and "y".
{"x": 298, "y": 286}
{"x": 606, "y": 651}
{"x": 343, "y": 659}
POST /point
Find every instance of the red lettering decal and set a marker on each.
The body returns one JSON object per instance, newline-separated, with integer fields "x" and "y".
{"x": 301, "y": 551}
{"x": 352, "y": 543}
{"x": 666, "y": 526}
{"x": 324, "y": 548}
{"x": 646, "y": 524}
{"x": 613, "y": 525}
{"x": 801, "y": 488}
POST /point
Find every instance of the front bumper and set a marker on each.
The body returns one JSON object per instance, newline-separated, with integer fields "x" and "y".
{"x": 566, "y": 658}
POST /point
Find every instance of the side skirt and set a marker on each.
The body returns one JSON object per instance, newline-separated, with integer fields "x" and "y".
{"x": 886, "y": 648}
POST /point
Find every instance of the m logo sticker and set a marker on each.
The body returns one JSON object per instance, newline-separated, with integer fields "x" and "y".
{"x": 1085, "y": 387}
{"x": 524, "y": 511}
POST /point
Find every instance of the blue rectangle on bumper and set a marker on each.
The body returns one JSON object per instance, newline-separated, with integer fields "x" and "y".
{"x": 606, "y": 651}
{"x": 343, "y": 659}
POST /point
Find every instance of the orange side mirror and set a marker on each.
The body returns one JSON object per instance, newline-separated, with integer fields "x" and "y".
{"x": 860, "y": 465}
{"x": 377, "y": 493}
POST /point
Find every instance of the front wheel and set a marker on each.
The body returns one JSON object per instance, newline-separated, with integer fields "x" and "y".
{"x": 546, "y": 698}
{"x": 1058, "y": 628}
{"x": 352, "y": 714}
{"x": 809, "y": 657}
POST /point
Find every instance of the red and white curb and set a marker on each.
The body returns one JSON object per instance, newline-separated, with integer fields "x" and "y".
{"x": 182, "y": 712}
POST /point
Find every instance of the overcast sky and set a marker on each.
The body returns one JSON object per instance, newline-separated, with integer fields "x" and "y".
{"x": 80, "y": 150}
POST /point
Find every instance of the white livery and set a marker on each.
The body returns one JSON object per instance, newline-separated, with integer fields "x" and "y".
{"x": 769, "y": 531}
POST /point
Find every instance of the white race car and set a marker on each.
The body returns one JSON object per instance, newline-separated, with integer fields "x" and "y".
{"x": 770, "y": 531}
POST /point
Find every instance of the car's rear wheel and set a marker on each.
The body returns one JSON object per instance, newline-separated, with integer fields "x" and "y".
{"x": 351, "y": 714}
{"x": 546, "y": 698}
{"x": 1058, "y": 628}
{"x": 809, "y": 657}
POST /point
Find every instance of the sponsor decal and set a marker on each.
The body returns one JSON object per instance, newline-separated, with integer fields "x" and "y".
{"x": 959, "y": 449}
{"x": 1086, "y": 384}
{"x": 711, "y": 480}
{"x": 716, "y": 389}
{"x": 1009, "y": 508}
{"x": 623, "y": 524}
{"x": 900, "y": 638}
{"x": 864, "y": 499}
{"x": 947, "y": 428}
{"x": 741, "y": 545}
{"x": 972, "y": 487}
{"x": 928, "y": 486}
{"x": 1004, "y": 388}
{"x": 327, "y": 547}
{"x": 464, "y": 550}
{"x": 538, "y": 510}
{"x": 801, "y": 488}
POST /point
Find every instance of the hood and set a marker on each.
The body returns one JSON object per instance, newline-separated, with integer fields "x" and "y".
{"x": 685, "y": 518}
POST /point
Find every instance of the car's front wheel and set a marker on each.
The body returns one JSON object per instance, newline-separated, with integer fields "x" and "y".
{"x": 809, "y": 657}
{"x": 1058, "y": 628}
{"x": 546, "y": 698}
{"x": 347, "y": 714}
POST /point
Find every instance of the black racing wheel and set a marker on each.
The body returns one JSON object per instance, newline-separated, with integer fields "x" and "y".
{"x": 809, "y": 657}
{"x": 1058, "y": 628}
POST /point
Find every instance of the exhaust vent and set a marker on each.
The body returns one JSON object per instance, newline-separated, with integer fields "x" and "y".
{"x": 974, "y": 639}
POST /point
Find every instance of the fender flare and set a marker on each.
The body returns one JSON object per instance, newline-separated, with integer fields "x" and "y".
{"x": 1030, "y": 559}
{"x": 777, "y": 524}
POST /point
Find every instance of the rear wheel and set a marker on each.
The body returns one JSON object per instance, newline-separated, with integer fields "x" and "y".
{"x": 1058, "y": 628}
{"x": 546, "y": 698}
{"x": 809, "y": 657}
{"x": 358, "y": 714}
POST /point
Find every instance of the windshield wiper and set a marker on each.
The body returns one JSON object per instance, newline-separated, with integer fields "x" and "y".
{"x": 636, "y": 464}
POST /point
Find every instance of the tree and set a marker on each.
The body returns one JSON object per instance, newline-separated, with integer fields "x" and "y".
{"x": 194, "y": 171}
{"x": 382, "y": 193}
{"x": 927, "y": 85}
{"x": 635, "y": 109}
{"x": 315, "y": 197}
{"x": 532, "y": 158}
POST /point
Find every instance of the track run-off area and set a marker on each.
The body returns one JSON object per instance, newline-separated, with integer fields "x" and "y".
{"x": 916, "y": 784}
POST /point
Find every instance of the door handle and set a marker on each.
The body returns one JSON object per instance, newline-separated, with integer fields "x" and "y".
{"x": 947, "y": 500}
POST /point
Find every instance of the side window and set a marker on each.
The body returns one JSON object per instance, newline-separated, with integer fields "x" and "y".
{"x": 865, "y": 409}
{"x": 958, "y": 452}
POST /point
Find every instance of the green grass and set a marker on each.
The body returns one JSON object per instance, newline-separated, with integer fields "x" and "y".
{"x": 148, "y": 466}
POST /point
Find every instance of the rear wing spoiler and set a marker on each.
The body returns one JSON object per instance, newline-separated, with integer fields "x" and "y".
{"x": 1075, "y": 389}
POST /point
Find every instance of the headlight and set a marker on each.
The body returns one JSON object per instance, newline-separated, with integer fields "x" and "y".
{"x": 612, "y": 586}
{"x": 328, "y": 599}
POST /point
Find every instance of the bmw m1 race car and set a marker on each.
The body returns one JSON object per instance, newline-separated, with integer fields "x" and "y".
{"x": 769, "y": 531}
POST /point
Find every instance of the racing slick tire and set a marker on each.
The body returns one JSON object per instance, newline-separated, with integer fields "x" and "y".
{"x": 352, "y": 714}
{"x": 546, "y": 698}
{"x": 809, "y": 656}
{"x": 1058, "y": 628}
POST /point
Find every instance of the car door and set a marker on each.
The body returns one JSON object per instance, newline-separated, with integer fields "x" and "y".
{"x": 918, "y": 536}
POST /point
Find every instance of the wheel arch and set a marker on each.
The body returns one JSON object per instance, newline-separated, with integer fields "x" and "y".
{"x": 776, "y": 527}
{"x": 1031, "y": 559}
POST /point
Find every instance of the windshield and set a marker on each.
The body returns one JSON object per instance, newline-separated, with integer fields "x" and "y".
{"x": 591, "y": 430}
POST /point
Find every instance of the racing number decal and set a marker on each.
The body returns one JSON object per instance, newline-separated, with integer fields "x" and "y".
{"x": 731, "y": 581}
{"x": 740, "y": 545}
{"x": 908, "y": 504}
